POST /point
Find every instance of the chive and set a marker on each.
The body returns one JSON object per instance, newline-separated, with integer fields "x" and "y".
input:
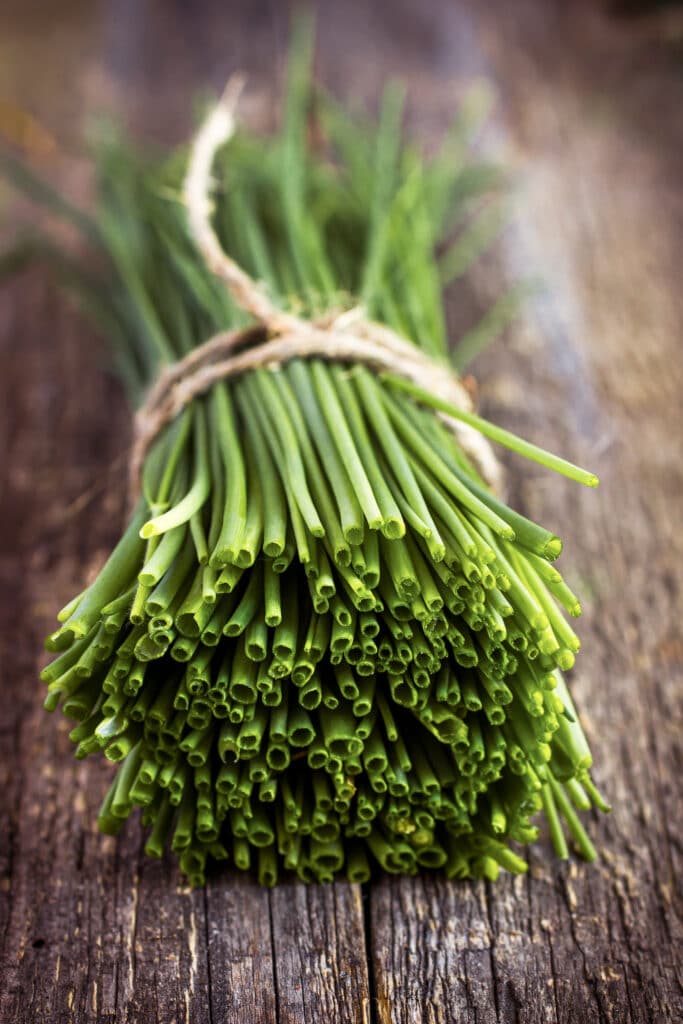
{"x": 350, "y": 512}
{"x": 274, "y": 511}
{"x": 232, "y": 528}
{"x": 504, "y": 437}
{"x": 346, "y": 448}
{"x": 282, "y": 425}
{"x": 195, "y": 497}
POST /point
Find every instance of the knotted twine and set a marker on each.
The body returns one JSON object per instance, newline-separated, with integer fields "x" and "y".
{"x": 278, "y": 335}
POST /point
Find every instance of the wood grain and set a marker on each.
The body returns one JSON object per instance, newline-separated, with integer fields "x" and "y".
{"x": 589, "y": 119}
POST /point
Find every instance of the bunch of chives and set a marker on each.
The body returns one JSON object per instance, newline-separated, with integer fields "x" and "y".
{"x": 322, "y": 643}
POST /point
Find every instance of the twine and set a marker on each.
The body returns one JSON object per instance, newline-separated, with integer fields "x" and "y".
{"x": 280, "y": 336}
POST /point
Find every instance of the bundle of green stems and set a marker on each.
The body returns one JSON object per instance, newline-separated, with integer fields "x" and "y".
{"x": 322, "y": 644}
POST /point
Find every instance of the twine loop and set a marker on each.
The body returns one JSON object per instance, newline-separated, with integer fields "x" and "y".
{"x": 279, "y": 336}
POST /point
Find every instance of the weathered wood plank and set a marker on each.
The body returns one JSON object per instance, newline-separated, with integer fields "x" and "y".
{"x": 89, "y": 929}
{"x": 320, "y": 956}
{"x": 595, "y": 372}
{"x": 79, "y": 944}
{"x": 240, "y": 951}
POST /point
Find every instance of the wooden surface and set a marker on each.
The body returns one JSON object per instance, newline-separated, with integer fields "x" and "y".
{"x": 589, "y": 115}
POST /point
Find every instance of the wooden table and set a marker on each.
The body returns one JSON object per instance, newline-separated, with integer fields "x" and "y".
{"x": 589, "y": 115}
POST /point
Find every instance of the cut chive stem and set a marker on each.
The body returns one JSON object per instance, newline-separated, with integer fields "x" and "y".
{"x": 498, "y": 434}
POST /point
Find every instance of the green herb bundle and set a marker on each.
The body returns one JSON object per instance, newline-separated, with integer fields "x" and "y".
{"x": 322, "y": 643}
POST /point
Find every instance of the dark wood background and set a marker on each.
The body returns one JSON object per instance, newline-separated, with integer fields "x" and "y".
{"x": 590, "y": 114}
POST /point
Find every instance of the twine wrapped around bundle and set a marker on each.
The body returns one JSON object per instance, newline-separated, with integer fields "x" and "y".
{"x": 280, "y": 336}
